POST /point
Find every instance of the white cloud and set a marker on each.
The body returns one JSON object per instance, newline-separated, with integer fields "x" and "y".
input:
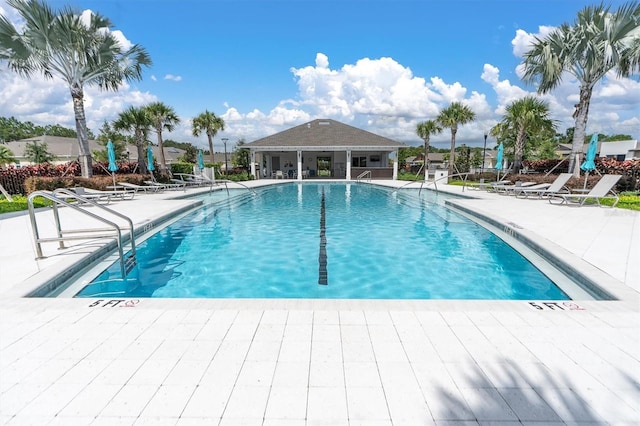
{"x": 523, "y": 40}
{"x": 173, "y": 77}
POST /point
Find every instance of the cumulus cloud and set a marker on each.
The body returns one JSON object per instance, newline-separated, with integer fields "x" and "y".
{"x": 523, "y": 40}
{"x": 380, "y": 95}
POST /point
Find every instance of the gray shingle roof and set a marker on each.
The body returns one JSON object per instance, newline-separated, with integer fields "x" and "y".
{"x": 67, "y": 149}
{"x": 325, "y": 133}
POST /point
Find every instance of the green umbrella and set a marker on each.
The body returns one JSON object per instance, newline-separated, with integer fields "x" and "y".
{"x": 499, "y": 160}
{"x": 589, "y": 160}
{"x": 200, "y": 160}
{"x": 113, "y": 167}
{"x": 150, "y": 165}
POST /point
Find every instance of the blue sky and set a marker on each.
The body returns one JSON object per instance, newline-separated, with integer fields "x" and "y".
{"x": 383, "y": 66}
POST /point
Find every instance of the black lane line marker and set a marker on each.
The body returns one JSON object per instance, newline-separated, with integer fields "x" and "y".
{"x": 322, "y": 258}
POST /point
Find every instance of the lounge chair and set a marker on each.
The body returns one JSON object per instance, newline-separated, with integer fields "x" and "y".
{"x": 601, "y": 191}
{"x": 279, "y": 174}
{"x": 556, "y": 187}
{"x": 102, "y": 196}
{"x": 165, "y": 185}
{"x": 511, "y": 189}
{"x": 137, "y": 188}
{"x": 193, "y": 180}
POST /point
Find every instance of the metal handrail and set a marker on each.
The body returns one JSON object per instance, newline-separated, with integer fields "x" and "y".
{"x": 434, "y": 182}
{"x": 114, "y": 229}
{"x": 225, "y": 181}
{"x": 363, "y": 174}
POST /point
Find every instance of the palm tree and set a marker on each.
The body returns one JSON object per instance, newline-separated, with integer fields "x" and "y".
{"x": 424, "y": 130}
{"x": 451, "y": 117}
{"x": 209, "y": 123}
{"x": 137, "y": 122}
{"x": 599, "y": 41}
{"x": 38, "y": 153}
{"x": 82, "y": 54}
{"x": 163, "y": 117}
{"x": 6, "y": 156}
{"x": 523, "y": 118}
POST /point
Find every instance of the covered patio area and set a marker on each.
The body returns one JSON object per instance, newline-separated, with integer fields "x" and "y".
{"x": 324, "y": 149}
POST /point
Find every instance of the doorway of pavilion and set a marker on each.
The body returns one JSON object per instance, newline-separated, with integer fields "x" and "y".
{"x": 324, "y": 166}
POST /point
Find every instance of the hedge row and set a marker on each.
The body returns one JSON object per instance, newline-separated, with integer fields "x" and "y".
{"x": 45, "y": 176}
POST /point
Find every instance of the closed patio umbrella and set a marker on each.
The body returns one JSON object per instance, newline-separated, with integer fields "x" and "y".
{"x": 589, "y": 161}
{"x": 150, "y": 165}
{"x": 200, "y": 160}
{"x": 499, "y": 160}
{"x": 113, "y": 167}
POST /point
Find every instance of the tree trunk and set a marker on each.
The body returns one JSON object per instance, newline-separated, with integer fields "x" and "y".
{"x": 452, "y": 153}
{"x": 211, "y": 148}
{"x": 142, "y": 164}
{"x": 581, "y": 114}
{"x": 84, "y": 156}
{"x": 519, "y": 149}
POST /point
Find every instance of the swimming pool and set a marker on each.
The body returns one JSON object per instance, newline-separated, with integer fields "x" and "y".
{"x": 326, "y": 240}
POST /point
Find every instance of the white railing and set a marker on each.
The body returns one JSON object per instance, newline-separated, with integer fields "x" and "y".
{"x": 363, "y": 174}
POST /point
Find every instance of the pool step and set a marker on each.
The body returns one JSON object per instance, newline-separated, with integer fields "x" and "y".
{"x": 130, "y": 262}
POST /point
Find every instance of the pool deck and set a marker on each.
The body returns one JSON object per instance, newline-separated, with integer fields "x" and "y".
{"x": 67, "y": 361}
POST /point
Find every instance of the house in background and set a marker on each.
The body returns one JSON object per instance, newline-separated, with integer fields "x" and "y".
{"x": 67, "y": 149}
{"x": 620, "y": 150}
{"x": 325, "y": 148}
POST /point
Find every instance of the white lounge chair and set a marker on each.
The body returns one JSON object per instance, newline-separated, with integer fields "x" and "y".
{"x": 165, "y": 185}
{"x": 601, "y": 191}
{"x": 102, "y": 196}
{"x": 512, "y": 189}
{"x": 556, "y": 187}
{"x": 137, "y": 188}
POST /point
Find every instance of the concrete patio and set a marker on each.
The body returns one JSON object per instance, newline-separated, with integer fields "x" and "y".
{"x": 329, "y": 362}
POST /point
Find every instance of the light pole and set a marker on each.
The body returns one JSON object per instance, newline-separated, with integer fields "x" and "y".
{"x": 224, "y": 141}
{"x": 484, "y": 152}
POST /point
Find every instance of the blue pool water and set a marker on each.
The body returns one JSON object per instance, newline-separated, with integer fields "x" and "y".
{"x": 363, "y": 241}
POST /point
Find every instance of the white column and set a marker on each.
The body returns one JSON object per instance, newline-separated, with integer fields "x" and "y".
{"x": 348, "y": 166}
{"x": 299, "y": 165}
{"x": 395, "y": 165}
{"x": 253, "y": 165}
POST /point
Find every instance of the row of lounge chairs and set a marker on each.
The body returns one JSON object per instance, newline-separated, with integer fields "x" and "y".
{"x": 126, "y": 190}
{"x": 557, "y": 192}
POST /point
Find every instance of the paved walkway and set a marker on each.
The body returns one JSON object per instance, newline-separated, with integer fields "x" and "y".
{"x": 329, "y": 362}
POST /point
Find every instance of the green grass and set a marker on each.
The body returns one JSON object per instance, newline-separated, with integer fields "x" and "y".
{"x": 628, "y": 201}
{"x": 20, "y": 203}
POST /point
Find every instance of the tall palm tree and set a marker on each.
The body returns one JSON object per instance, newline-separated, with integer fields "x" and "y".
{"x": 424, "y": 130}
{"x": 600, "y": 40}
{"x": 137, "y": 122}
{"x": 209, "y": 123}
{"x": 451, "y": 117}
{"x": 82, "y": 54}
{"x": 524, "y": 117}
{"x": 163, "y": 117}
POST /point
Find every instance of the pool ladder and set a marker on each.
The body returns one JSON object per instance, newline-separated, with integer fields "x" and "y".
{"x": 364, "y": 175}
{"x": 60, "y": 197}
